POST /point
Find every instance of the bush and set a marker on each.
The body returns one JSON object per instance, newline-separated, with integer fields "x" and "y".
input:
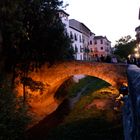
{"x": 13, "y": 115}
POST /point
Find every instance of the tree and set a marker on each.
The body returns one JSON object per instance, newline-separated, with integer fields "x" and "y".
{"x": 33, "y": 34}
{"x": 14, "y": 118}
{"x": 124, "y": 40}
{"x": 124, "y": 47}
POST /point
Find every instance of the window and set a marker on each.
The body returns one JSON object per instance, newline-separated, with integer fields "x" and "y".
{"x": 90, "y": 42}
{"x": 66, "y": 18}
{"x": 75, "y": 37}
{"x": 71, "y": 35}
{"x": 81, "y": 57}
{"x": 83, "y": 40}
{"x": 96, "y": 55}
{"x": 95, "y": 42}
{"x": 102, "y": 48}
{"x": 81, "y": 49}
{"x": 76, "y": 49}
{"x": 80, "y": 38}
{"x": 101, "y": 41}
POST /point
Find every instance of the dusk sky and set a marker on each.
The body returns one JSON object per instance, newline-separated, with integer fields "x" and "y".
{"x": 111, "y": 18}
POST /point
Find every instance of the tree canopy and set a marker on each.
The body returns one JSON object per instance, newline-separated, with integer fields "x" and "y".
{"x": 124, "y": 47}
{"x": 32, "y": 33}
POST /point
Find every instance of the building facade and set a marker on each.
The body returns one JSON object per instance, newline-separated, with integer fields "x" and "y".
{"x": 138, "y": 34}
{"x": 86, "y": 34}
{"x": 100, "y": 47}
{"x": 75, "y": 34}
{"x": 65, "y": 19}
{"x": 85, "y": 44}
{"x": 137, "y": 30}
{"x": 80, "y": 34}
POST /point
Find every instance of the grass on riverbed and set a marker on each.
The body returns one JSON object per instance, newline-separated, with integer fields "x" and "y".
{"x": 91, "y": 83}
{"x": 80, "y": 112}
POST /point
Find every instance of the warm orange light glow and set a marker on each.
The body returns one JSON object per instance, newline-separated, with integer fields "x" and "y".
{"x": 136, "y": 49}
{"x": 137, "y": 55}
{"x": 43, "y": 102}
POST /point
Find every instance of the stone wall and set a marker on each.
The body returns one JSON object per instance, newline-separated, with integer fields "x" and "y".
{"x": 131, "y": 108}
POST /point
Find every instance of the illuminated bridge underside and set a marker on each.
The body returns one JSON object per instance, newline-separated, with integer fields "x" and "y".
{"x": 44, "y": 103}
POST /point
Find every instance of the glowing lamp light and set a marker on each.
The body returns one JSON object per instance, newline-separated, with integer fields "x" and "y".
{"x": 137, "y": 55}
{"x": 136, "y": 49}
{"x": 129, "y": 56}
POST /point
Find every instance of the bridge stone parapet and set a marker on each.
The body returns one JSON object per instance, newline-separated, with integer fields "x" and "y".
{"x": 131, "y": 110}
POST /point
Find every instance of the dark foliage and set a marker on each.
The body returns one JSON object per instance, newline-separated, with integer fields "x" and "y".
{"x": 32, "y": 34}
{"x": 124, "y": 47}
{"x": 33, "y": 85}
{"x": 14, "y": 118}
{"x": 98, "y": 129}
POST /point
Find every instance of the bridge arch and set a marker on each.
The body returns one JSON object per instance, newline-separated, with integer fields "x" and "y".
{"x": 53, "y": 77}
{"x": 115, "y": 74}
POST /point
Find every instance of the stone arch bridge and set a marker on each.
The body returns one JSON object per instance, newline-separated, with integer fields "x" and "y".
{"x": 43, "y": 102}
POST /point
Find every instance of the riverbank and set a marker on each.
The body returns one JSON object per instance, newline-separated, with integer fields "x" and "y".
{"x": 92, "y": 116}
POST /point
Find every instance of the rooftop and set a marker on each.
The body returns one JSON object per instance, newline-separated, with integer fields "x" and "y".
{"x": 101, "y": 37}
{"x": 63, "y": 12}
{"x": 137, "y": 28}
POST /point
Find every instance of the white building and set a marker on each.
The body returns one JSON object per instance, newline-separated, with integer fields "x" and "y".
{"x": 100, "y": 47}
{"x": 76, "y": 36}
{"x": 73, "y": 29}
{"x": 80, "y": 34}
{"x": 85, "y": 44}
{"x": 86, "y": 35}
{"x": 65, "y": 20}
